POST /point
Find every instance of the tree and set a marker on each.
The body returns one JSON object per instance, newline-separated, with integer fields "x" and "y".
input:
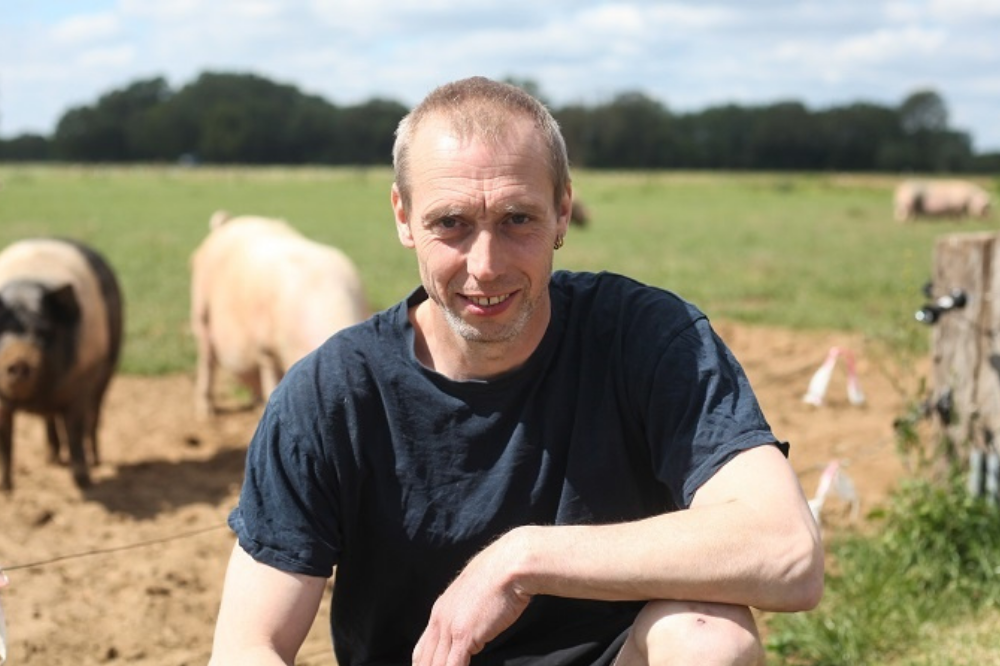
{"x": 577, "y": 124}
{"x": 719, "y": 137}
{"x": 241, "y": 118}
{"x": 365, "y": 133}
{"x": 784, "y": 136}
{"x": 931, "y": 146}
{"x": 529, "y": 86}
{"x": 633, "y": 131}
{"x": 856, "y": 136}
{"x": 101, "y": 132}
{"x": 245, "y": 118}
{"x": 26, "y": 148}
{"x": 923, "y": 111}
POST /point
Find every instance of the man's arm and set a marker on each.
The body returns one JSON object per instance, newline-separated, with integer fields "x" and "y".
{"x": 265, "y": 613}
{"x": 748, "y": 539}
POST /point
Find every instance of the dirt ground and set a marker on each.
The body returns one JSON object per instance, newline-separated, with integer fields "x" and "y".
{"x": 131, "y": 570}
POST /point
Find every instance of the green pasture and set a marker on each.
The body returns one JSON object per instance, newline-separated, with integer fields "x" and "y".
{"x": 805, "y": 251}
{"x": 801, "y": 251}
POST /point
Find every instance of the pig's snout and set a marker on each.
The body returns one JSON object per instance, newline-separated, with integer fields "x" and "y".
{"x": 18, "y": 371}
{"x": 19, "y": 364}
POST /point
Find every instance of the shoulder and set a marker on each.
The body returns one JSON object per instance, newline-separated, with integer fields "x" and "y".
{"x": 605, "y": 287}
{"x": 348, "y": 363}
{"x": 625, "y": 302}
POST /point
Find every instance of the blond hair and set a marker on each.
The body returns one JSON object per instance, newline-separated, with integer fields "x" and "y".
{"x": 481, "y": 108}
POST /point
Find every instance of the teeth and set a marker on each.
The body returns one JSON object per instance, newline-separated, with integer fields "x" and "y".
{"x": 488, "y": 300}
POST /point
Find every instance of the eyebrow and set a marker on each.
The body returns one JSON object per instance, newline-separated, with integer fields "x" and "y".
{"x": 435, "y": 214}
{"x": 450, "y": 210}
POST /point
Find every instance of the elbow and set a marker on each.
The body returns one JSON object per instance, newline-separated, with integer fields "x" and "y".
{"x": 801, "y": 575}
{"x": 807, "y": 576}
{"x": 809, "y": 586}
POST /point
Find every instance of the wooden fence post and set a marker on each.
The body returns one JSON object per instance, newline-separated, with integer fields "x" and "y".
{"x": 966, "y": 348}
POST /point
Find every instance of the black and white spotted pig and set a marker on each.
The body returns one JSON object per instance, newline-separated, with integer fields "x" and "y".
{"x": 60, "y": 337}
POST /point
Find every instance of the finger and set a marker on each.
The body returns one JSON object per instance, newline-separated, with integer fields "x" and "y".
{"x": 419, "y": 650}
{"x": 428, "y": 650}
{"x": 442, "y": 647}
{"x": 457, "y": 656}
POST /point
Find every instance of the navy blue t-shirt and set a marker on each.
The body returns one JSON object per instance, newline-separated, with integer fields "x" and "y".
{"x": 367, "y": 461}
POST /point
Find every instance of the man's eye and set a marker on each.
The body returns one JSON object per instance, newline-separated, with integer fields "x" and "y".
{"x": 447, "y": 222}
{"x": 519, "y": 219}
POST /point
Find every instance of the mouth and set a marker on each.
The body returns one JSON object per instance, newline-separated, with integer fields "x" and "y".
{"x": 488, "y": 301}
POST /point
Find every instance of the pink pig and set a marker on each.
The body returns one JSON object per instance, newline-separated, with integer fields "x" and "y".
{"x": 262, "y": 297}
{"x": 940, "y": 198}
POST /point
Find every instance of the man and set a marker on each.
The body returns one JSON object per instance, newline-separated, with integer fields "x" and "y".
{"x": 511, "y": 465}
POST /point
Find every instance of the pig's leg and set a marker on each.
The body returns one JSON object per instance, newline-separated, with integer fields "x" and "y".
{"x": 94, "y": 419}
{"x": 52, "y": 437}
{"x": 204, "y": 406}
{"x": 90, "y": 432}
{"x": 75, "y": 429}
{"x": 6, "y": 447}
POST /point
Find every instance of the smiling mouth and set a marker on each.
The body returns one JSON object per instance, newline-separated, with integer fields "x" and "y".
{"x": 485, "y": 301}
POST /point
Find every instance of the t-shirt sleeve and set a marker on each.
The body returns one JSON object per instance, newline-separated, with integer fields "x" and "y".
{"x": 701, "y": 410}
{"x": 287, "y": 516}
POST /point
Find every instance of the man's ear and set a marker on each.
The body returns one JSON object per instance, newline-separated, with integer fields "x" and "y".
{"x": 565, "y": 210}
{"x": 402, "y": 221}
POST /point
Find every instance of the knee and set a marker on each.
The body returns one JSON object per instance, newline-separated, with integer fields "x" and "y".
{"x": 687, "y": 632}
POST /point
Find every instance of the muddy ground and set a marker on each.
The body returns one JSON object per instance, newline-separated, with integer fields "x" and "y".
{"x": 130, "y": 571}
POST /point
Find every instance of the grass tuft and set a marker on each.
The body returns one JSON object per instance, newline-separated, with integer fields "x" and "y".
{"x": 932, "y": 564}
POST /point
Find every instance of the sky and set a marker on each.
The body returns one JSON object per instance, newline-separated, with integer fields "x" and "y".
{"x": 58, "y": 54}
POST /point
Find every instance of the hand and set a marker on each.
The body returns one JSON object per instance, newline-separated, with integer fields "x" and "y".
{"x": 479, "y": 604}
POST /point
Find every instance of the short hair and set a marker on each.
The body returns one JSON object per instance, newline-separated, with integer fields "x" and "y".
{"x": 482, "y": 108}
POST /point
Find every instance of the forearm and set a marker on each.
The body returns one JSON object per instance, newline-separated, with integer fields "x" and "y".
{"x": 696, "y": 554}
{"x": 248, "y": 656}
{"x": 759, "y": 550}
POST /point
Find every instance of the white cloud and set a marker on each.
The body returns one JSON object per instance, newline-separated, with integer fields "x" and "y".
{"x": 86, "y": 28}
{"x": 964, "y": 10}
{"x": 891, "y": 44}
{"x": 110, "y": 56}
{"x": 688, "y": 55}
{"x": 162, "y": 10}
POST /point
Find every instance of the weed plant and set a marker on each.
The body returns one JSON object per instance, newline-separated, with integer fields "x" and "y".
{"x": 932, "y": 563}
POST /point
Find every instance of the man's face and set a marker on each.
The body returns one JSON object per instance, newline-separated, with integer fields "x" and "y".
{"x": 483, "y": 222}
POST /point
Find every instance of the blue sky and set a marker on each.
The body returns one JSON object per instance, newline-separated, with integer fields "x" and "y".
{"x": 55, "y": 54}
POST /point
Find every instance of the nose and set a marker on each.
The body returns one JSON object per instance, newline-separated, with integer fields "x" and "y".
{"x": 18, "y": 371}
{"x": 485, "y": 258}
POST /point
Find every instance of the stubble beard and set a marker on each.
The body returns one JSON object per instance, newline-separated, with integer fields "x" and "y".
{"x": 490, "y": 332}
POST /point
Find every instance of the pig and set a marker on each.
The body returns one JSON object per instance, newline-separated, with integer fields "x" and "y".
{"x": 60, "y": 339}
{"x": 262, "y": 297}
{"x": 940, "y": 198}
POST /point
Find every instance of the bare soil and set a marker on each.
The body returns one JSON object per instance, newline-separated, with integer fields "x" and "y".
{"x": 130, "y": 571}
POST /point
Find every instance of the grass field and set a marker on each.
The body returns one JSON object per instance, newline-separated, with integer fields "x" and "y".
{"x": 803, "y": 251}
{"x": 800, "y": 251}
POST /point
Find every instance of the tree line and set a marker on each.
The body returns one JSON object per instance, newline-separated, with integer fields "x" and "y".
{"x": 231, "y": 118}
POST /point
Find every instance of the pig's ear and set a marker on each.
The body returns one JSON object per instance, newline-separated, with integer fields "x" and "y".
{"x": 62, "y": 303}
